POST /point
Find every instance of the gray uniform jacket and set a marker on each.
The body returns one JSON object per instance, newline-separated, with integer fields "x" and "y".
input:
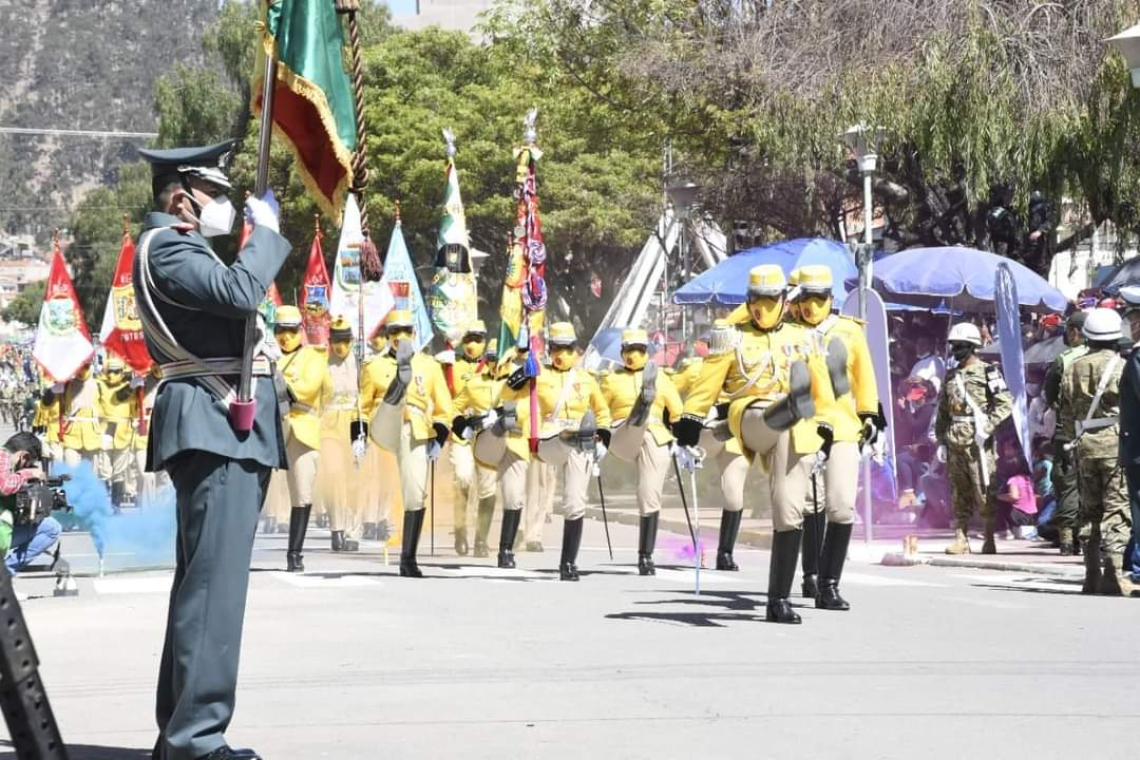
{"x": 214, "y": 301}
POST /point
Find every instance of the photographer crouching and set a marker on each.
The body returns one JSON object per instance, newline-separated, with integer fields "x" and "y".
{"x": 22, "y": 537}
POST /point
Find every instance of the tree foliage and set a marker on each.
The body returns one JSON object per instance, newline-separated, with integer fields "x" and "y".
{"x": 25, "y": 307}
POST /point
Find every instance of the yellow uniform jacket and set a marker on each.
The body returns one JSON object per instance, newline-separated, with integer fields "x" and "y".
{"x": 79, "y": 407}
{"x": 427, "y": 401}
{"x": 150, "y": 392}
{"x": 758, "y": 370}
{"x": 119, "y": 406}
{"x": 306, "y": 372}
{"x": 621, "y": 388}
{"x": 475, "y": 394}
{"x": 864, "y": 396}
{"x": 342, "y": 403}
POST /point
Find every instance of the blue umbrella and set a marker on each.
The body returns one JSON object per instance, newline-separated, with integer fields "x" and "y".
{"x": 961, "y": 277}
{"x": 727, "y": 283}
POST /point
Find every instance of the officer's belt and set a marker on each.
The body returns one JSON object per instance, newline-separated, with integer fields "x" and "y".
{"x": 94, "y": 420}
{"x": 963, "y": 418}
{"x": 304, "y": 408}
{"x": 341, "y": 408}
{"x": 216, "y": 367}
{"x": 1099, "y": 423}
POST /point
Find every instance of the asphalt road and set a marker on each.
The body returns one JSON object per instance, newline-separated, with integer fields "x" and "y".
{"x": 351, "y": 661}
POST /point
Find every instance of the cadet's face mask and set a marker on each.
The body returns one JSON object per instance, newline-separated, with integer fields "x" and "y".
{"x": 215, "y": 216}
{"x": 398, "y": 335}
{"x": 634, "y": 357}
{"x": 288, "y": 339}
{"x": 474, "y": 347}
{"x": 961, "y": 351}
{"x": 114, "y": 376}
{"x": 563, "y": 357}
{"x": 766, "y": 310}
{"x": 341, "y": 349}
{"x": 815, "y": 309}
{"x": 378, "y": 342}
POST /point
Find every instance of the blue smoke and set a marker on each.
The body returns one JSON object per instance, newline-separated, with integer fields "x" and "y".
{"x": 142, "y": 537}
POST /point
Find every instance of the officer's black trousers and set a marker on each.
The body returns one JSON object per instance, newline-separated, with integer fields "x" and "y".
{"x": 219, "y": 501}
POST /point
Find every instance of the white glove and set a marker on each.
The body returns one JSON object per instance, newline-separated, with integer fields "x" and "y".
{"x": 445, "y": 357}
{"x": 108, "y": 442}
{"x": 359, "y": 446}
{"x": 433, "y": 450}
{"x": 264, "y": 212}
{"x": 489, "y": 420}
{"x": 138, "y": 381}
{"x": 686, "y": 458}
{"x": 820, "y": 463}
{"x": 941, "y": 454}
{"x": 58, "y": 388}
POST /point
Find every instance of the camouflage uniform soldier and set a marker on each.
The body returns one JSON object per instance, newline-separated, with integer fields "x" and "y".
{"x": 1064, "y": 459}
{"x": 973, "y": 402}
{"x": 1090, "y": 393}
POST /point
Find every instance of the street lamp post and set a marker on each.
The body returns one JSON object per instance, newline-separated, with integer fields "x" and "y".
{"x": 862, "y": 141}
{"x": 683, "y": 195}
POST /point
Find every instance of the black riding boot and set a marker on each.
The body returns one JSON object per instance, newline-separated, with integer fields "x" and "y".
{"x": 298, "y": 522}
{"x": 814, "y": 530}
{"x": 834, "y": 555}
{"x": 647, "y": 539}
{"x": 337, "y": 540}
{"x": 461, "y": 542}
{"x": 781, "y": 573}
{"x": 511, "y": 519}
{"x": 729, "y": 528}
{"x": 413, "y": 522}
{"x": 571, "y": 540}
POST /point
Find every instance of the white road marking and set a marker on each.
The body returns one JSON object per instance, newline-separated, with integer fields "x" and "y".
{"x": 863, "y": 579}
{"x": 491, "y": 573}
{"x": 152, "y": 585}
{"x": 301, "y": 580}
{"x": 707, "y": 576}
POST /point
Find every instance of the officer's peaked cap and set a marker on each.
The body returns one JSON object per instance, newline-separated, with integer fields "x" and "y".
{"x": 1130, "y": 294}
{"x": 207, "y": 163}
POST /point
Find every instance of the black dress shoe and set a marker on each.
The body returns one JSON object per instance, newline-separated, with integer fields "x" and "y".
{"x": 780, "y": 611}
{"x": 829, "y": 598}
{"x": 568, "y": 571}
{"x": 810, "y": 586}
{"x": 645, "y": 565}
{"x": 229, "y": 753}
{"x": 724, "y": 561}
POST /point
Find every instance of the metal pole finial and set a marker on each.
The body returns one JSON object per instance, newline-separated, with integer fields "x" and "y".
{"x": 530, "y": 130}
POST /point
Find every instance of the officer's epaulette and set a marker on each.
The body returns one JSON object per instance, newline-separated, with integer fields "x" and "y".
{"x": 856, "y": 320}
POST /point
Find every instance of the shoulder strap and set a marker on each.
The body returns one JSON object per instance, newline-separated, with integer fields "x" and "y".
{"x": 1102, "y": 386}
{"x": 571, "y": 376}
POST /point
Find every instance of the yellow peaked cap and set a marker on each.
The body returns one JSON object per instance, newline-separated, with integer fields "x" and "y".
{"x": 634, "y": 338}
{"x": 476, "y": 327}
{"x": 287, "y": 316}
{"x": 562, "y": 333}
{"x": 766, "y": 280}
{"x": 815, "y": 278}
{"x": 400, "y": 318}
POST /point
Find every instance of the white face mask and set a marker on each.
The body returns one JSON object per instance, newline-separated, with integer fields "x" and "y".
{"x": 1032, "y": 389}
{"x": 217, "y": 217}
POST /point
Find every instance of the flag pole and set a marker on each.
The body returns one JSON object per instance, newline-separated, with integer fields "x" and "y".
{"x": 243, "y": 419}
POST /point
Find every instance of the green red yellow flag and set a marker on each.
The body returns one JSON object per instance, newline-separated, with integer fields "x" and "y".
{"x": 313, "y": 107}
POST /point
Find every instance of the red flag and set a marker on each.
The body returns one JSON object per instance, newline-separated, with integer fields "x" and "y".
{"x": 315, "y": 296}
{"x": 122, "y": 332}
{"x": 63, "y": 344}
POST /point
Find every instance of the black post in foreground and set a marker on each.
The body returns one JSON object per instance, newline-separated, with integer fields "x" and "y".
{"x": 605, "y": 518}
{"x": 23, "y": 700}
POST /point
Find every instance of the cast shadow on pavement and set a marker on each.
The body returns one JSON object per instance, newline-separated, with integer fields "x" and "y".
{"x": 737, "y": 606}
{"x": 86, "y": 752}
{"x": 1064, "y": 587}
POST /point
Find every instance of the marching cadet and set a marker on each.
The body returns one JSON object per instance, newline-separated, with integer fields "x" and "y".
{"x": 1090, "y": 396}
{"x": 774, "y": 378}
{"x": 476, "y": 388}
{"x": 856, "y": 420}
{"x": 405, "y": 396}
{"x": 148, "y": 483}
{"x": 573, "y": 414}
{"x": 642, "y": 405}
{"x": 1065, "y": 483}
{"x": 82, "y": 428}
{"x": 48, "y": 418}
{"x": 218, "y": 454}
{"x": 118, "y": 406}
{"x": 972, "y": 403}
{"x": 379, "y": 467}
{"x": 306, "y": 373}
{"x": 339, "y": 418}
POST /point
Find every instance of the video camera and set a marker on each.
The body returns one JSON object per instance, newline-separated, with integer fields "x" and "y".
{"x": 37, "y": 499}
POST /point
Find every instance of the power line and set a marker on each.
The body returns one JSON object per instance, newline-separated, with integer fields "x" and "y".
{"x": 74, "y": 132}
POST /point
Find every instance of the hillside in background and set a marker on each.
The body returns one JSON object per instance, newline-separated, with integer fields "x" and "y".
{"x": 81, "y": 64}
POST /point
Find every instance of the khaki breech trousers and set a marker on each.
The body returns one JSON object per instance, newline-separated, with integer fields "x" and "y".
{"x": 512, "y": 477}
{"x": 412, "y": 459}
{"x": 467, "y": 474}
{"x": 652, "y": 469}
{"x": 302, "y": 473}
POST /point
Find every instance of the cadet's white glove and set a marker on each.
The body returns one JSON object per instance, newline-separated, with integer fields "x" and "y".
{"x": 58, "y": 388}
{"x": 433, "y": 450}
{"x": 138, "y": 381}
{"x": 940, "y": 453}
{"x": 264, "y": 211}
{"x": 359, "y": 446}
{"x": 445, "y": 357}
{"x": 687, "y": 458}
{"x": 108, "y": 442}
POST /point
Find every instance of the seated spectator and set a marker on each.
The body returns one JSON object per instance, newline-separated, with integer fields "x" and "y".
{"x": 929, "y": 366}
{"x": 1016, "y": 501}
{"x": 1042, "y": 419}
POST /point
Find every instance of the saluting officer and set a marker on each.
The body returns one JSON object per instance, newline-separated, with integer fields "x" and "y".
{"x": 1090, "y": 396}
{"x": 773, "y": 379}
{"x": 412, "y": 387}
{"x": 193, "y": 310}
{"x": 856, "y": 419}
{"x": 306, "y": 373}
{"x": 642, "y": 405}
{"x": 973, "y": 401}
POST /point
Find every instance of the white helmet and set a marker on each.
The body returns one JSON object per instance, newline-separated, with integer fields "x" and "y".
{"x": 965, "y": 332}
{"x": 1102, "y": 325}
